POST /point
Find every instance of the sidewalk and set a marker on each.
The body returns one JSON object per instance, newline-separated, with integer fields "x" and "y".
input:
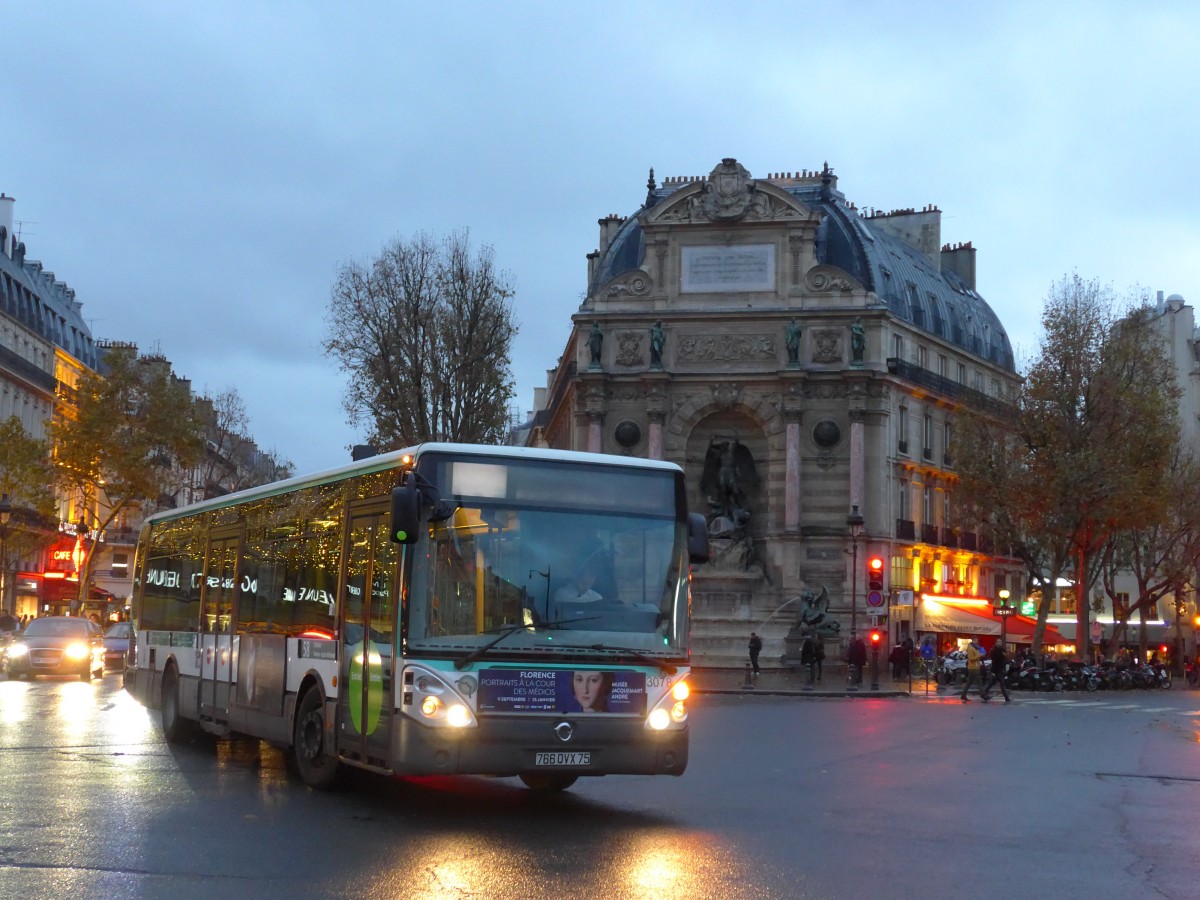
{"x": 794, "y": 683}
{"x": 782, "y": 682}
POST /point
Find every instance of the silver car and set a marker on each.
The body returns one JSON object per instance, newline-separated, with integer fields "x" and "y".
{"x": 116, "y": 645}
{"x": 57, "y": 645}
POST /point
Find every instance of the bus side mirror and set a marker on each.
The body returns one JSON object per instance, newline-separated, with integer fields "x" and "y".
{"x": 697, "y": 538}
{"x": 406, "y": 514}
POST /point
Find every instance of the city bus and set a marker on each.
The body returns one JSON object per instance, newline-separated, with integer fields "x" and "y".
{"x": 424, "y": 612}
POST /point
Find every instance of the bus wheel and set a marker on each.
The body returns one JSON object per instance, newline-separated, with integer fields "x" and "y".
{"x": 176, "y": 729}
{"x": 316, "y": 769}
{"x": 544, "y": 781}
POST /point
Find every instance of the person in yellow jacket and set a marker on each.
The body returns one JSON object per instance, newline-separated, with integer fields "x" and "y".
{"x": 974, "y": 658}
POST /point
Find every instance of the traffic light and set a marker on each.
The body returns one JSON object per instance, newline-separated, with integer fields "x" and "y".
{"x": 876, "y": 637}
{"x": 875, "y": 573}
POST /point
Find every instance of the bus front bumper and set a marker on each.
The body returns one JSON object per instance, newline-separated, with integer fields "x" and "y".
{"x": 514, "y": 745}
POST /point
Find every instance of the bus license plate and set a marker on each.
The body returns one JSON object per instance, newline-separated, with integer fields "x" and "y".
{"x": 562, "y": 759}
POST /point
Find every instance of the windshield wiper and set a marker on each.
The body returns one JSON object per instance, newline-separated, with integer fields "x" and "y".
{"x": 479, "y": 652}
{"x": 663, "y": 666}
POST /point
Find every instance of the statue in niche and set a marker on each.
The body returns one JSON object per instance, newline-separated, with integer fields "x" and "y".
{"x": 728, "y": 473}
{"x": 596, "y": 344}
{"x": 858, "y": 343}
{"x": 658, "y": 340}
{"x": 791, "y": 339}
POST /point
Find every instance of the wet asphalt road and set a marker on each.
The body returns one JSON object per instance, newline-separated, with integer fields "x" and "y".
{"x": 1050, "y": 796}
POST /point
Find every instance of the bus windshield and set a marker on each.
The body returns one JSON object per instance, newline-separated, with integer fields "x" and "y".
{"x": 554, "y": 572}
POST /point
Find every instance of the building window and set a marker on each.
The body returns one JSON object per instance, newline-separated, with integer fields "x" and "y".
{"x": 962, "y": 374}
{"x": 1065, "y": 603}
{"x": 927, "y": 506}
{"x": 902, "y": 430}
{"x": 947, "y": 445}
{"x": 943, "y": 366}
{"x": 927, "y": 437}
{"x": 897, "y": 346}
{"x": 905, "y": 508}
{"x": 922, "y": 357}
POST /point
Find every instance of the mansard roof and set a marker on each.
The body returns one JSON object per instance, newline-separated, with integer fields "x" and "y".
{"x": 933, "y": 299}
{"x": 32, "y": 295}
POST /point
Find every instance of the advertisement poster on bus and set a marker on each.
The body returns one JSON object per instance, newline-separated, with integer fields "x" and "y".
{"x": 562, "y": 690}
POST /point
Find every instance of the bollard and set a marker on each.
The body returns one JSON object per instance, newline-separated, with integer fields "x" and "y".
{"x": 749, "y": 682}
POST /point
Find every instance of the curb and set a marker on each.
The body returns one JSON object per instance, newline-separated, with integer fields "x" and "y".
{"x": 814, "y": 695}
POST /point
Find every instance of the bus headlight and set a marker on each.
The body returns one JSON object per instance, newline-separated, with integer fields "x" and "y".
{"x": 77, "y": 651}
{"x": 679, "y": 712}
{"x": 430, "y": 707}
{"x": 659, "y": 719}
{"x": 681, "y": 691}
{"x": 430, "y": 699}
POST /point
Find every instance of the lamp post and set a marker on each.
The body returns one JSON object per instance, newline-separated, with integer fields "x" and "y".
{"x": 5, "y": 515}
{"x": 1003, "y": 594}
{"x": 81, "y": 532}
{"x": 855, "y": 523}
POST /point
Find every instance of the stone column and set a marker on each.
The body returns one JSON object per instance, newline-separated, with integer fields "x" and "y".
{"x": 655, "y": 438}
{"x": 791, "y": 460}
{"x": 857, "y": 457}
{"x": 594, "y": 437}
{"x": 656, "y": 413}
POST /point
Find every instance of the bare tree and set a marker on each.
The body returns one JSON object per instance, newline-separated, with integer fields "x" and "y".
{"x": 1160, "y": 556}
{"x": 232, "y": 460}
{"x": 423, "y": 332}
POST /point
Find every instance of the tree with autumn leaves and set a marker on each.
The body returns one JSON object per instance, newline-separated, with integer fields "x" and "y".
{"x": 133, "y": 434}
{"x": 1083, "y": 458}
{"x": 26, "y": 484}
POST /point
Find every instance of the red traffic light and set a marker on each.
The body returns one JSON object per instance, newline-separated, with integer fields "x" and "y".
{"x": 876, "y": 636}
{"x": 875, "y": 573}
{"x": 1162, "y": 649}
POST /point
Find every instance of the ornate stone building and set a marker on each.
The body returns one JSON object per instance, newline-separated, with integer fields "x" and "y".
{"x": 802, "y": 360}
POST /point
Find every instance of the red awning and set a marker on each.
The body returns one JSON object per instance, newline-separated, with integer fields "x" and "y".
{"x": 979, "y": 620}
{"x": 1020, "y": 630}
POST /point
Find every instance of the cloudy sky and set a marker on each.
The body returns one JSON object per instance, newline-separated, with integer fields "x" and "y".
{"x": 199, "y": 172}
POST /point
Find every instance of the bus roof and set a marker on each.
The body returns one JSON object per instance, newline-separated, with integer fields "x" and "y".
{"x": 384, "y": 461}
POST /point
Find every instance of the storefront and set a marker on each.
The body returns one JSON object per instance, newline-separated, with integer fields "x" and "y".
{"x": 953, "y": 620}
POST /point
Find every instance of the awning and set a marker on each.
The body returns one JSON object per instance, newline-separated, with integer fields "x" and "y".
{"x": 945, "y": 617}
{"x": 1020, "y": 631}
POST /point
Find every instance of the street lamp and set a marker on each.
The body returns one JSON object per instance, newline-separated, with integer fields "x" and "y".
{"x": 855, "y": 523}
{"x": 1004, "y": 594}
{"x": 81, "y": 532}
{"x": 5, "y": 515}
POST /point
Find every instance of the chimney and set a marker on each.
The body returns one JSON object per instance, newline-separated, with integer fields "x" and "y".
{"x": 921, "y": 229}
{"x": 6, "y": 224}
{"x": 960, "y": 259}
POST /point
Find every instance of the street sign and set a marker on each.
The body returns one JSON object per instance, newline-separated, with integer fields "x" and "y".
{"x": 875, "y": 598}
{"x": 1003, "y": 611}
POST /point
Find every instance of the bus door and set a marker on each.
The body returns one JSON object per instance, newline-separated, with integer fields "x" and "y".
{"x": 368, "y": 627}
{"x": 218, "y": 608}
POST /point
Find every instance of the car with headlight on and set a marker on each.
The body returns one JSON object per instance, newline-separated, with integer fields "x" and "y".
{"x": 116, "y": 645}
{"x": 58, "y": 645}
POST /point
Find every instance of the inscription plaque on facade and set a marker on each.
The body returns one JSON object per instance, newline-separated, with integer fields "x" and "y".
{"x": 748, "y": 267}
